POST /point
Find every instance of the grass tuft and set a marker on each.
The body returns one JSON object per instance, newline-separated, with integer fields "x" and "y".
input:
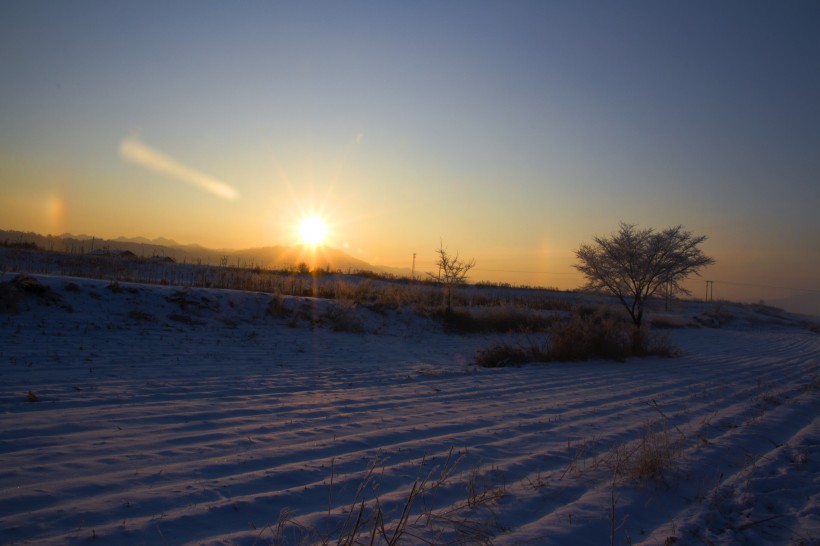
{"x": 506, "y": 354}
{"x": 26, "y": 287}
{"x": 344, "y": 317}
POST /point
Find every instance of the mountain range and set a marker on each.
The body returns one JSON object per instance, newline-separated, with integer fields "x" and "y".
{"x": 275, "y": 257}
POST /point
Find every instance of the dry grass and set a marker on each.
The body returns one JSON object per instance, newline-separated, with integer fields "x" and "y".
{"x": 503, "y": 319}
{"x": 654, "y": 454}
{"x": 507, "y": 354}
{"x": 276, "y": 307}
{"x": 588, "y": 334}
{"x": 344, "y": 317}
{"x": 417, "y": 517}
{"x": 24, "y": 288}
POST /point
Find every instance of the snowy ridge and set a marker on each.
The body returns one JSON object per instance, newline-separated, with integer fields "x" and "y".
{"x": 151, "y": 415}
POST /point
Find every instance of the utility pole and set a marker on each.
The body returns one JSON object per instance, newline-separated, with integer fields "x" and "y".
{"x": 413, "y": 271}
{"x": 710, "y": 291}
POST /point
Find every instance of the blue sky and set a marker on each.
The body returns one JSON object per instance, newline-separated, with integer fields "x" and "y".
{"x": 512, "y": 131}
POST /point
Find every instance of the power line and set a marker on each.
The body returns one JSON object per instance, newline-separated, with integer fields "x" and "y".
{"x": 530, "y": 272}
{"x": 813, "y": 290}
{"x": 514, "y": 271}
{"x": 733, "y": 283}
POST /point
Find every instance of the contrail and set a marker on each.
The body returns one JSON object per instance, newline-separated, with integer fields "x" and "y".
{"x": 133, "y": 150}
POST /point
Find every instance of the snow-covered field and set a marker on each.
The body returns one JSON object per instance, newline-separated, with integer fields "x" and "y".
{"x": 156, "y": 415}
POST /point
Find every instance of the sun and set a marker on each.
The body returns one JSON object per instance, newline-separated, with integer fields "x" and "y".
{"x": 312, "y": 230}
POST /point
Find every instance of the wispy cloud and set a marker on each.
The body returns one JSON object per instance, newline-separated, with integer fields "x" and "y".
{"x": 135, "y": 151}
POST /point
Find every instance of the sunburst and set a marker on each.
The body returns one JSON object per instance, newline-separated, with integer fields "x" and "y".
{"x": 312, "y": 230}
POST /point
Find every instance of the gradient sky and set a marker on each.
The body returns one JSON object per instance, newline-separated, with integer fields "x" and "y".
{"x": 512, "y": 131}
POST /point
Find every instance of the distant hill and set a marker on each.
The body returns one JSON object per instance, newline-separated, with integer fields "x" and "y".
{"x": 280, "y": 256}
{"x": 160, "y": 241}
{"x": 806, "y": 304}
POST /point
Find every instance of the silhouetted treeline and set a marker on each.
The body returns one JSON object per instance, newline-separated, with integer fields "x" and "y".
{"x": 19, "y": 244}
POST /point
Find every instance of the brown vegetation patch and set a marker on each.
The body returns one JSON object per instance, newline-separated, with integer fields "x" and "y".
{"x": 26, "y": 287}
{"x": 187, "y": 300}
{"x": 343, "y": 317}
{"x": 588, "y": 334}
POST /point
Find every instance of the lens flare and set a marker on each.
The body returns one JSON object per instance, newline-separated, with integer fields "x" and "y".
{"x": 133, "y": 150}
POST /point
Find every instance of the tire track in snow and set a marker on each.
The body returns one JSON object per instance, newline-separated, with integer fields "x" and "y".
{"x": 175, "y": 436}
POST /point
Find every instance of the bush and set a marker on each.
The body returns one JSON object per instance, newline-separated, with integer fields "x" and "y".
{"x": 588, "y": 334}
{"x": 344, "y": 318}
{"x": 591, "y": 335}
{"x": 501, "y": 356}
{"x": 276, "y": 307}
{"x": 25, "y": 287}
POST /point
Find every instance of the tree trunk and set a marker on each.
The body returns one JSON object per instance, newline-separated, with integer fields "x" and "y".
{"x": 638, "y": 340}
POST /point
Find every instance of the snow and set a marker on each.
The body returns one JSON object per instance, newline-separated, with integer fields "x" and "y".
{"x": 171, "y": 416}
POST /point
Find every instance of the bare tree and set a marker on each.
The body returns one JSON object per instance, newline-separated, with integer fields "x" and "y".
{"x": 452, "y": 271}
{"x": 633, "y": 264}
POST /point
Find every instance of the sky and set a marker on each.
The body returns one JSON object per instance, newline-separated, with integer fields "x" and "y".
{"x": 510, "y": 132}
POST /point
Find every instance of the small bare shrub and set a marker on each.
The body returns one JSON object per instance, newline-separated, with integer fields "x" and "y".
{"x": 343, "y": 317}
{"x": 650, "y": 458}
{"x": 452, "y": 272}
{"x": 26, "y": 287}
{"x": 500, "y": 356}
{"x": 591, "y": 335}
{"x": 276, "y": 307}
{"x": 654, "y": 455}
{"x": 30, "y": 285}
{"x": 660, "y": 345}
